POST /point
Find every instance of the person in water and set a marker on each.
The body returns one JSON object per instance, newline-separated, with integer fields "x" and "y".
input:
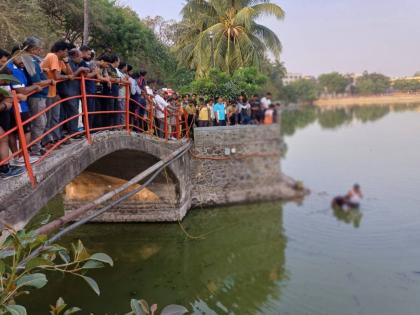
{"x": 351, "y": 200}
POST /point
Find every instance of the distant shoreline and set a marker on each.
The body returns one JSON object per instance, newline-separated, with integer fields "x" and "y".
{"x": 368, "y": 100}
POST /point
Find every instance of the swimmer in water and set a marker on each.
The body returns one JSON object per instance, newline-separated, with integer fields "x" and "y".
{"x": 351, "y": 200}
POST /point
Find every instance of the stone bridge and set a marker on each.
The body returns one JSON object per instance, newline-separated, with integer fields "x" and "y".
{"x": 225, "y": 165}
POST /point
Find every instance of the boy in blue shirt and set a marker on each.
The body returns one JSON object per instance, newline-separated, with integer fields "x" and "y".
{"x": 220, "y": 112}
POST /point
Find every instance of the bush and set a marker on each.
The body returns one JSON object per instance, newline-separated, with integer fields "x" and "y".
{"x": 243, "y": 81}
{"x": 301, "y": 91}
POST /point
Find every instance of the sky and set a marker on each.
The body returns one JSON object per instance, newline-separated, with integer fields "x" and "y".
{"x": 348, "y": 36}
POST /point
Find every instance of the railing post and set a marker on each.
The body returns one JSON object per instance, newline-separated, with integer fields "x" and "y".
{"x": 166, "y": 123}
{"x": 178, "y": 125}
{"x": 127, "y": 108}
{"x": 187, "y": 127}
{"x": 151, "y": 116}
{"x": 85, "y": 109}
{"x": 22, "y": 139}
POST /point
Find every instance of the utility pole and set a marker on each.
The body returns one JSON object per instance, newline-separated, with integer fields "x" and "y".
{"x": 85, "y": 22}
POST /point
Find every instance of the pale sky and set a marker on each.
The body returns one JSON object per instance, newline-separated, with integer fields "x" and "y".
{"x": 321, "y": 36}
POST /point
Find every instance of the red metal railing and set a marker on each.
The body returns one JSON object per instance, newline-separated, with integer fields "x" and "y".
{"x": 175, "y": 123}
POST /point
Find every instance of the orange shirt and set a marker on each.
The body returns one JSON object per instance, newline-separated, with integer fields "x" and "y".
{"x": 268, "y": 117}
{"x": 49, "y": 64}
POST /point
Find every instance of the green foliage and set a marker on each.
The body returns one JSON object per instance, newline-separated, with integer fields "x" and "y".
{"x": 138, "y": 307}
{"x": 111, "y": 26}
{"x": 407, "y": 86}
{"x": 180, "y": 79}
{"x": 61, "y": 308}
{"x": 120, "y": 29}
{"x": 25, "y": 257}
{"x": 229, "y": 29}
{"x": 20, "y": 18}
{"x": 372, "y": 83}
{"x": 333, "y": 83}
{"x": 275, "y": 72}
{"x": 217, "y": 83}
{"x": 7, "y": 78}
{"x": 301, "y": 91}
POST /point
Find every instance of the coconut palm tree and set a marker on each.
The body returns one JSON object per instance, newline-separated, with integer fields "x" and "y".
{"x": 230, "y": 27}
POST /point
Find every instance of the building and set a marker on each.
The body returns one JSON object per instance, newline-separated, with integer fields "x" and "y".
{"x": 293, "y": 77}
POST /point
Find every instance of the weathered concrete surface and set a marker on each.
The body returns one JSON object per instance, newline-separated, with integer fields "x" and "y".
{"x": 239, "y": 164}
{"x": 19, "y": 201}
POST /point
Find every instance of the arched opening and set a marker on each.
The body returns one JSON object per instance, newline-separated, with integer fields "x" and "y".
{"x": 112, "y": 171}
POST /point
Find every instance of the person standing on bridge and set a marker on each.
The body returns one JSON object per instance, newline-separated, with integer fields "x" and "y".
{"x": 71, "y": 88}
{"x": 88, "y": 55}
{"x": 37, "y": 102}
{"x": 161, "y": 104}
{"x": 57, "y": 66}
{"x": 22, "y": 89}
{"x": 103, "y": 88}
{"x": 6, "y": 104}
{"x": 219, "y": 110}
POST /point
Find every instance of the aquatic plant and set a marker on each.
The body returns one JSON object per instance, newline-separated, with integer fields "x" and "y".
{"x": 138, "y": 307}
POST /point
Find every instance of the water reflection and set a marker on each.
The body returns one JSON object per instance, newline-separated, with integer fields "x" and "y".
{"x": 237, "y": 268}
{"x": 351, "y": 216}
{"x": 334, "y": 118}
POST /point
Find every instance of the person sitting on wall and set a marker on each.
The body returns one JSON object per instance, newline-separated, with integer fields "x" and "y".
{"x": 352, "y": 200}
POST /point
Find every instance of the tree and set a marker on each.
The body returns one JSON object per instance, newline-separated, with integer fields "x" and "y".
{"x": 164, "y": 30}
{"x": 19, "y": 18}
{"x": 303, "y": 91}
{"x": 111, "y": 26}
{"x": 333, "y": 83}
{"x": 130, "y": 39}
{"x": 275, "y": 71}
{"x": 64, "y": 18}
{"x": 239, "y": 41}
{"x": 217, "y": 83}
{"x": 407, "y": 86}
{"x": 372, "y": 83}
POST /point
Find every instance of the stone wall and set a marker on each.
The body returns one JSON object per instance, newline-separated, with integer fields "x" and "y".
{"x": 226, "y": 165}
{"x": 237, "y": 164}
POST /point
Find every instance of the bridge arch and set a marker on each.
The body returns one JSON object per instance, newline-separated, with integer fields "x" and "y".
{"x": 66, "y": 164}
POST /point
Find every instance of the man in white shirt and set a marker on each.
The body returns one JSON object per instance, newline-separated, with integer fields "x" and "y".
{"x": 266, "y": 102}
{"x": 161, "y": 104}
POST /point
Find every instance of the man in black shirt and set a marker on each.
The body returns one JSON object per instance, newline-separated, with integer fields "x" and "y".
{"x": 71, "y": 88}
{"x": 255, "y": 109}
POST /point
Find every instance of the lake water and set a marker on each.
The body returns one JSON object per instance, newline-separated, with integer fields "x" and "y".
{"x": 282, "y": 259}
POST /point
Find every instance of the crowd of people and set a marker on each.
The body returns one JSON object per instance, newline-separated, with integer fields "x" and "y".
{"x": 225, "y": 112}
{"x": 43, "y": 80}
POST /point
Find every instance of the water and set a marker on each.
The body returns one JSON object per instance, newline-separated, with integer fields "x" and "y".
{"x": 282, "y": 259}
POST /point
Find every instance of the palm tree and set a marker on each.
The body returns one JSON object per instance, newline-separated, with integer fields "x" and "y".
{"x": 238, "y": 39}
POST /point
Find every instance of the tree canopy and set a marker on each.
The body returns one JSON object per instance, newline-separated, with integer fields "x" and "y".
{"x": 333, "y": 83}
{"x": 242, "y": 81}
{"x": 230, "y": 27}
{"x": 372, "y": 83}
{"x": 112, "y": 26}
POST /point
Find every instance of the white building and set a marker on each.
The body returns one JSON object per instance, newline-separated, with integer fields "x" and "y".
{"x": 292, "y": 77}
